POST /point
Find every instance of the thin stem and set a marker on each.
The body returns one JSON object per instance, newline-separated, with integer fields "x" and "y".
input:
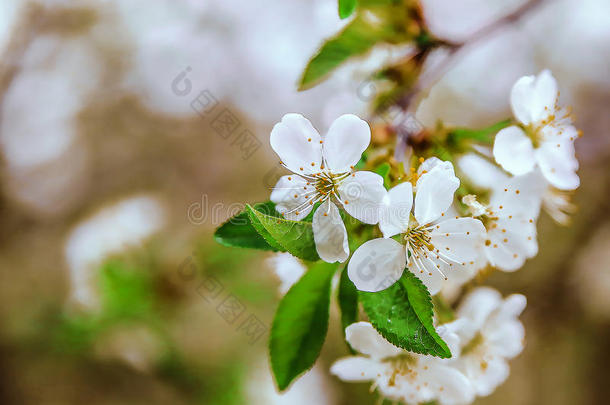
{"x": 427, "y": 79}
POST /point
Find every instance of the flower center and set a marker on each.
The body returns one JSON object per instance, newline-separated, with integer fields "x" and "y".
{"x": 402, "y": 365}
{"x": 473, "y": 344}
{"x": 418, "y": 237}
{"x": 326, "y": 184}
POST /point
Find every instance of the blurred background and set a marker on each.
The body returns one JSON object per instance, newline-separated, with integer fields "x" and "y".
{"x": 129, "y": 130}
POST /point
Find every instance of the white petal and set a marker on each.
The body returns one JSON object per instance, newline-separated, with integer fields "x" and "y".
{"x": 458, "y": 239}
{"x": 506, "y": 338}
{"x": 478, "y": 304}
{"x": 377, "y": 264}
{"x": 455, "y": 257}
{"x": 432, "y": 163}
{"x": 361, "y": 194}
{"x": 434, "y": 194}
{"x": 330, "y": 234}
{"x": 347, "y": 137}
{"x": 513, "y": 151}
{"x": 533, "y": 98}
{"x": 545, "y": 96}
{"x": 431, "y": 272}
{"x": 451, "y": 333}
{"x": 283, "y": 195}
{"x": 297, "y": 143}
{"x": 481, "y": 172}
{"x": 521, "y": 196}
{"x": 521, "y": 98}
{"x": 288, "y": 269}
{"x": 396, "y": 210}
{"x": 486, "y": 374}
{"x": 363, "y": 338}
{"x": 456, "y": 388}
{"x": 503, "y": 331}
{"x": 558, "y": 164}
{"x": 512, "y": 306}
{"x": 356, "y": 369}
{"x": 511, "y": 242}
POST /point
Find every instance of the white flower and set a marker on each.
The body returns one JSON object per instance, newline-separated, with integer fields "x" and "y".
{"x": 510, "y": 220}
{"x": 489, "y": 333}
{"x": 436, "y": 246}
{"x": 324, "y": 172}
{"x": 555, "y": 202}
{"x": 400, "y": 375}
{"x": 288, "y": 268}
{"x": 547, "y": 137}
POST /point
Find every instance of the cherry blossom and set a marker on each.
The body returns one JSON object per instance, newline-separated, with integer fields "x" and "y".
{"x": 432, "y": 245}
{"x": 323, "y": 171}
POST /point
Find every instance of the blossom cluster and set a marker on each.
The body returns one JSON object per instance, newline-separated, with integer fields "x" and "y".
{"x": 429, "y": 224}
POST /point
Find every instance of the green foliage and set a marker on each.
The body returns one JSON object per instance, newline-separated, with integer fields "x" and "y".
{"x": 295, "y": 237}
{"x": 240, "y": 232}
{"x": 485, "y": 135}
{"x": 402, "y": 314}
{"x": 125, "y": 292}
{"x": 384, "y": 171}
{"x": 348, "y": 301}
{"x": 375, "y": 22}
{"x": 347, "y": 7}
{"x": 300, "y": 324}
{"x": 261, "y": 227}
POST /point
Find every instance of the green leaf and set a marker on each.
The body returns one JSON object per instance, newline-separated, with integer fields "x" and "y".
{"x": 348, "y": 301}
{"x": 403, "y": 315}
{"x": 295, "y": 237}
{"x": 357, "y": 38}
{"x": 384, "y": 171}
{"x": 239, "y": 231}
{"x": 125, "y": 292}
{"x": 485, "y": 135}
{"x": 300, "y": 324}
{"x": 347, "y": 7}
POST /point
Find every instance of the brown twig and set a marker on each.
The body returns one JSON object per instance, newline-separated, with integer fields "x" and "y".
{"x": 455, "y": 49}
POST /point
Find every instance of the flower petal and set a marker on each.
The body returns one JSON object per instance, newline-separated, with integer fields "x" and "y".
{"x": 434, "y": 163}
{"x": 506, "y": 338}
{"x": 459, "y": 240}
{"x": 431, "y": 272}
{"x": 485, "y": 374}
{"x": 434, "y": 193}
{"x": 558, "y": 164}
{"x": 347, "y": 137}
{"x": 514, "y": 151}
{"x": 451, "y": 385}
{"x": 330, "y": 234}
{"x": 287, "y": 268}
{"x": 511, "y": 242}
{"x": 521, "y": 196}
{"x": 363, "y": 338}
{"x": 533, "y": 98}
{"x": 454, "y": 258}
{"x": 521, "y": 98}
{"x": 481, "y": 172}
{"x": 356, "y": 369}
{"x": 361, "y": 194}
{"x": 545, "y": 96}
{"x": 396, "y": 210}
{"x": 479, "y": 304}
{"x": 377, "y": 264}
{"x": 297, "y": 143}
{"x": 289, "y": 195}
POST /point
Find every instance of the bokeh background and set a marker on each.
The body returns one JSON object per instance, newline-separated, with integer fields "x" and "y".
{"x": 130, "y": 129}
